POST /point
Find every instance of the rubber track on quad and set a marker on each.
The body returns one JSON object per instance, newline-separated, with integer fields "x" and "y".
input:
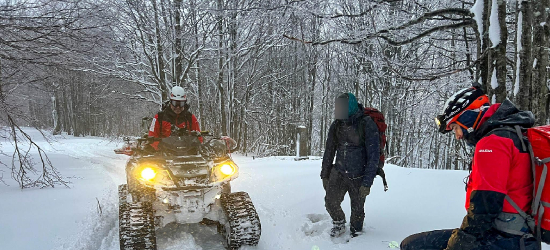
{"x": 136, "y": 223}
{"x": 243, "y": 221}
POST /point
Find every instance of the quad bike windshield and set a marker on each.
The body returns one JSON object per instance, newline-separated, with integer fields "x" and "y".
{"x": 180, "y": 145}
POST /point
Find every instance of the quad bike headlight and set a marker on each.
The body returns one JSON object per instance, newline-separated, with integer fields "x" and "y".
{"x": 151, "y": 174}
{"x": 224, "y": 171}
{"x": 227, "y": 169}
{"x": 148, "y": 173}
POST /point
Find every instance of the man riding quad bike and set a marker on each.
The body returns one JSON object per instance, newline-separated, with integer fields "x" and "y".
{"x": 184, "y": 181}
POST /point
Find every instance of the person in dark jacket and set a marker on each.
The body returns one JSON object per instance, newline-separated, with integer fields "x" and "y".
{"x": 176, "y": 114}
{"x": 500, "y": 182}
{"x": 356, "y": 163}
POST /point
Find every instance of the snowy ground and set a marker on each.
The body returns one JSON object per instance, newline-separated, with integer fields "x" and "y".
{"x": 288, "y": 196}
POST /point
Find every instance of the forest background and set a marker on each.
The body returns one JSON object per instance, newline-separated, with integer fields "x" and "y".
{"x": 255, "y": 70}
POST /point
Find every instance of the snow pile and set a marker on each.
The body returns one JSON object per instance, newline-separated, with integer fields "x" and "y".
{"x": 494, "y": 81}
{"x": 494, "y": 25}
{"x": 519, "y": 49}
{"x": 83, "y": 216}
{"x": 477, "y": 10}
{"x": 290, "y": 201}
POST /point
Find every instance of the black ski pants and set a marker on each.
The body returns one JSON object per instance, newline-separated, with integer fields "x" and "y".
{"x": 437, "y": 240}
{"x": 337, "y": 188}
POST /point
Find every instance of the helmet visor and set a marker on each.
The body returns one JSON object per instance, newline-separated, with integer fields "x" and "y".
{"x": 177, "y": 103}
{"x": 441, "y": 124}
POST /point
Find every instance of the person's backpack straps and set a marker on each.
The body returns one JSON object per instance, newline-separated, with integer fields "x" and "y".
{"x": 382, "y": 174}
{"x": 528, "y": 218}
{"x": 337, "y": 125}
{"x": 188, "y": 120}
{"x": 536, "y": 206}
{"x": 361, "y": 125}
{"x": 160, "y": 117}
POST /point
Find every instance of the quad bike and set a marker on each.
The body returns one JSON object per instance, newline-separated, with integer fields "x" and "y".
{"x": 185, "y": 181}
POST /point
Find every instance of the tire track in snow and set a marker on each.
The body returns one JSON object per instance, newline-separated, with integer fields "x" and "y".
{"x": 99, "y": 231}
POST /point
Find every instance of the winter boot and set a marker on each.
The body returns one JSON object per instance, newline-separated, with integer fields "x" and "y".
{"x": 355, "y": 231}
{"x": 338, "y": 228}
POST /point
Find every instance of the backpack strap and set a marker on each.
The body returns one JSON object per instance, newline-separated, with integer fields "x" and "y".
{"x": 160, "y": 119}
{"x": 360, "y": 128}
{"x": 361, "y": 124}
{"x": 537, "y": 206}
{"x": 361, "y": 132}
{"x": 337, "y": 126}
{"x": 528, "y": 218}
{"x": 188, "y": 117}
{"x": 526, "y": 147}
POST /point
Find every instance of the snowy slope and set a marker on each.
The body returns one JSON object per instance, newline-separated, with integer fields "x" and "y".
{"x": 288, "y": 196}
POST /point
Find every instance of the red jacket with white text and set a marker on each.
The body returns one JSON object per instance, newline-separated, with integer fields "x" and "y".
{"x": 500, "y": 167}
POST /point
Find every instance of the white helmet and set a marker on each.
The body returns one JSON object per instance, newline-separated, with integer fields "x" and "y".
{"x": 178, "y": 94}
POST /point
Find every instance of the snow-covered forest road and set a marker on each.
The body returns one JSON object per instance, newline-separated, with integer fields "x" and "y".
{"x": 287, "y": 194}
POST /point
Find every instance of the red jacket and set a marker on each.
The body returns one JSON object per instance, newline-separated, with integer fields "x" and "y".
{"x": 500, "y": 167}
{"x": 168, "y": 117}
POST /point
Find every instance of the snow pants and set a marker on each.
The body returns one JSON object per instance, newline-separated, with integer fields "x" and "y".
{"x": 338, "y": 186}
{"x": 437, "y": 240}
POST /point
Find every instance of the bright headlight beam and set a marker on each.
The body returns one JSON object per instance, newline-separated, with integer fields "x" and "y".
{"x": 148, "y": 174}
{"x": 227, "y": 169}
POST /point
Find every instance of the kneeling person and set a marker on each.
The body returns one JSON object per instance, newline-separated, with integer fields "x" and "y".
{"x": 500, "y": 180}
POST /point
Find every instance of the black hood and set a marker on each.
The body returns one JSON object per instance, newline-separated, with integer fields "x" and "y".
{"x": 506, "y": 115}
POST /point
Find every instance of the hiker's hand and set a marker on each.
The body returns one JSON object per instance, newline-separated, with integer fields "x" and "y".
{"x": 149, "y": 149}
{"x": 325, "y": 183}
{"x": 461, "y": 240}
{"x": 364, "y": 191}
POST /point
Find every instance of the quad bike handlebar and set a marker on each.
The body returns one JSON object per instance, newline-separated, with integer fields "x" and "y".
{"x": 177, "y": 132}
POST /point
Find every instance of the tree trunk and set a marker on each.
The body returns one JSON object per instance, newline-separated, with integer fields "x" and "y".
{"x": 486, "y": 62}
{"x": 312, "y": 72}
{"x": 496, "y": 75}
{"x": 501, "y": 59}
{"x": 199, "y": 77}
{"x": 220, "y": 84}
{"x": 178, "y": 64}
{"x": 524, "y": 63}
{"x": 540, "y": 53}
{"x": 164, "y": 88}
{"x": 55, "y": 115}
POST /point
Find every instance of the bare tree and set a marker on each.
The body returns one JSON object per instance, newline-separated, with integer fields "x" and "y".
{"x": 37, "y": 35}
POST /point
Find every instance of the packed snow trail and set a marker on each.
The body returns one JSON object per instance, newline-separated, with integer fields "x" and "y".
{"x": 288, "y": 196}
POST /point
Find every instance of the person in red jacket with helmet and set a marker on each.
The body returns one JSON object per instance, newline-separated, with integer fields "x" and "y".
{"x": 176, "y": 114}
{"x": 500, "y": 181}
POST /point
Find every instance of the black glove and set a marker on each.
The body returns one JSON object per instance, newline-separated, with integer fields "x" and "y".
{"x": 149, "y": 149}
{"x": 364, "y": 191}
{"x": 325, "y": 183}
